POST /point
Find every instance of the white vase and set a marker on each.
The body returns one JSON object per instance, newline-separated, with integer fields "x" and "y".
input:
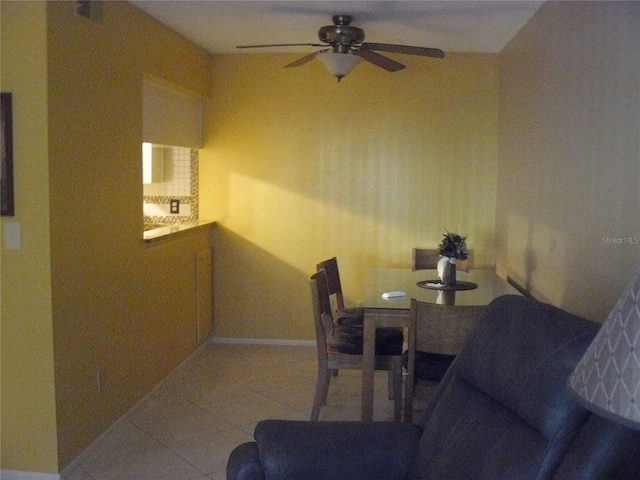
{"x": 447, "y": 270}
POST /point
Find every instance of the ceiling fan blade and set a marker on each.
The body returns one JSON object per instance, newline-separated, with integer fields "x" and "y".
{"x": 409, "y": 50}
{"x": 283, "y": 45}
{"x": 379, "y": 60}
{"x": 305, "y": 59}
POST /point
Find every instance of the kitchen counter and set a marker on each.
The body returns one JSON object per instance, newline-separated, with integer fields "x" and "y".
{"x": 165, "y": 231}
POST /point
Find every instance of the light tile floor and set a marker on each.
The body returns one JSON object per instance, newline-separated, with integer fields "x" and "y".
{"x": 187, "y": 427}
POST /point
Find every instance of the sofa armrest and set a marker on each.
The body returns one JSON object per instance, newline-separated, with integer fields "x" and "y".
{"x": 244, "y": 463}
{"x": 294, "y": 450}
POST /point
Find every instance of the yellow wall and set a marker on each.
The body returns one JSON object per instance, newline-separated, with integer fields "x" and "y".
{"x": 126, "y": 310}
{"x": 568, "y": 217}
{"x": 28, "y": 421}
{"x": 83, "y": 274}
{"x": 298, "y": 168}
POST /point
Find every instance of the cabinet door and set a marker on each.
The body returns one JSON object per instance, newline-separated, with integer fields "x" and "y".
{"x": 204, "y": 295}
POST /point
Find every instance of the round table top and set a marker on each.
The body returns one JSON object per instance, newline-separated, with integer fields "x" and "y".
{"x": 381, "y": 280}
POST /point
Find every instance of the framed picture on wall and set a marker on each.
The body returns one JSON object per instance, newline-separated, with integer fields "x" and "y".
{"x": 6, "y": 171}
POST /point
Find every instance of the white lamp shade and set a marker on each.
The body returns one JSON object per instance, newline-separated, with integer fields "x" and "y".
{"x": 339, "y": 64}
{"x": 607, "y": 379}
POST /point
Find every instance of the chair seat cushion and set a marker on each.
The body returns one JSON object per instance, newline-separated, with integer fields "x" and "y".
{"x": 349, "y": 316}
{"x": 349, "y": 339}
{"x": 429, "y": 366}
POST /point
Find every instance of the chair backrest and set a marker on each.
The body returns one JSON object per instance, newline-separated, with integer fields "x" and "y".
{"x": 463, "y": 265}
{"x": 427, "y": 259}
{"x": 321, "y": 311}
{"x": 503, "y": 410}
{"x": 334, "y": 286}
{"x": 443, "y": 328}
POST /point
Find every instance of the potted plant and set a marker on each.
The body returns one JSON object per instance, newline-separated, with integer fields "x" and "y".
{"x": 452, "y": 248}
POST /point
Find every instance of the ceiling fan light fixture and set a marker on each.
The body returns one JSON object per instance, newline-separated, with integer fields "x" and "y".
{"x": 339, "y": 64}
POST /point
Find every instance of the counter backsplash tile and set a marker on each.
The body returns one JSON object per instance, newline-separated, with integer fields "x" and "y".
{"x": 156, "y": 207}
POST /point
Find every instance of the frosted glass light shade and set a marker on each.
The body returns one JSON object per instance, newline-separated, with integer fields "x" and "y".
{"x": 607, "y": 379}
{"x": 339, "y": 64}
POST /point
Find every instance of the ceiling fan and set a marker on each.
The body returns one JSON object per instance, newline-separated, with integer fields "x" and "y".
{"x": 346, "y": 48}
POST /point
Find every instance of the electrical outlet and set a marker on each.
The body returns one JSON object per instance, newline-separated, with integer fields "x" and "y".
{"x": 174, "y": 205}
{"x": 89, "y": 9}
{"x": 83, "y": 7}
{"x": 99, "y": 380}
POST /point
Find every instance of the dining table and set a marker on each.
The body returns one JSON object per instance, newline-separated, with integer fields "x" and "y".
{"x": 387, "y": 303}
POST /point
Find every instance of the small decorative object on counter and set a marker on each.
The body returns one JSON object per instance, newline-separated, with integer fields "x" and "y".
{"x": 452, "y": 248}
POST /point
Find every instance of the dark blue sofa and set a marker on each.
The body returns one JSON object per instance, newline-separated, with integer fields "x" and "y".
{"x": 503, "y": 411}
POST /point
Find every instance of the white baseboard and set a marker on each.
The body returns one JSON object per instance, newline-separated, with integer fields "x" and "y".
{"x": 263, "y": 341}
{"x": 17, "y": 475}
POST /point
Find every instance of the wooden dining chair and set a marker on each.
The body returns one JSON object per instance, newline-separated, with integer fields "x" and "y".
{"x": 440, "y": 331}
{"x": 340, "y": 347}
{"x": 427, "y": 259}
{"x": 424, "y": 259}
{"x": 341, "y": 314}
{"x": 351, "y": 316}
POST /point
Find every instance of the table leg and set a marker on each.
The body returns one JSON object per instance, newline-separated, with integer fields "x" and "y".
{"x": 368, "y": 369}
{"x": 411, "y": 361}
{"x": 372, "y": 321}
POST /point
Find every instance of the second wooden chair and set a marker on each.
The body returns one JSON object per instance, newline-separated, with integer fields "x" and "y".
{"x": 427, "y": 259}
{"x": 340, "y": 347}
{"x": 439, "y": 332}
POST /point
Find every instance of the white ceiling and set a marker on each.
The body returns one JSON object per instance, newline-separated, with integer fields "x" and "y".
{"x": 450, "y": 25}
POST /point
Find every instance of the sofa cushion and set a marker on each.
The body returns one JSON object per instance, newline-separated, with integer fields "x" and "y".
{"x": 604, "y": 450}
{"x": 508, "y": 382}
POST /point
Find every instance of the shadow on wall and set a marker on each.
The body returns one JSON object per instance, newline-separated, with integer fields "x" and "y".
{"x": 256, "y": 294}
{"x": 523, "y": 284}
{"x": 584, "y": 276}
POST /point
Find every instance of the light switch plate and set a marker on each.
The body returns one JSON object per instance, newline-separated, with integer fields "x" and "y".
{"x": 12, "y": 239}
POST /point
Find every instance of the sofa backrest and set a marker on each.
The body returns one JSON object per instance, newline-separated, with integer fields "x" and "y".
{"x": 503, "y": 410}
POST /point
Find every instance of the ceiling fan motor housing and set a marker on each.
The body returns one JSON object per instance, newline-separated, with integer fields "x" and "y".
{"x": 342, "y": 35}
